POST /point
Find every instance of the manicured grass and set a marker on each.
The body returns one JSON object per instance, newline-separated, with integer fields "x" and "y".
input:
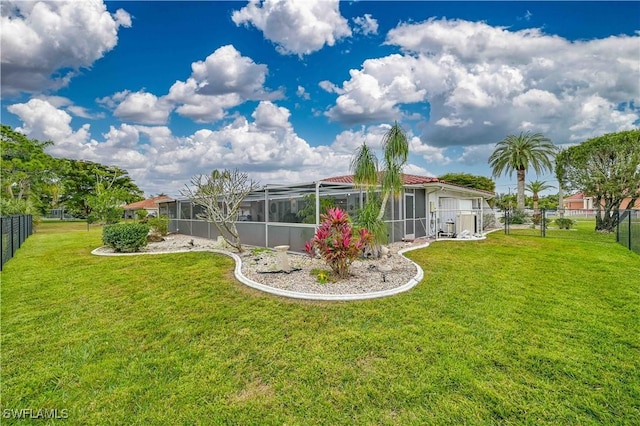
{"x": 514, "y": 330}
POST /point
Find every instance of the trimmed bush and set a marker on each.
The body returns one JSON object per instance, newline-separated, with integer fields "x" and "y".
{"x": 125, "y": 237}
{"x": 564, "y": 222}
{"x": 160, "y": 224}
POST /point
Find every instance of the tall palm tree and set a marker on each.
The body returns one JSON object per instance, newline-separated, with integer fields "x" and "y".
{"x": 395, "y": 147}
{"x": 536, "y": 187}
{"x": 518, "y": 152}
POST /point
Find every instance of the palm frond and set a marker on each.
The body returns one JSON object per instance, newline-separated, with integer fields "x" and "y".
{"x": 364, "y": 166}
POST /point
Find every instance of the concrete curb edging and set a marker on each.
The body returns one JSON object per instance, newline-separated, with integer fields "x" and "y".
{"x": 295, "y": 294}
{"x": 331, "y": 297}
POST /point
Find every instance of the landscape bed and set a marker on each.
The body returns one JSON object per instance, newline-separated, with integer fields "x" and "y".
{"x": 506, "y": 330}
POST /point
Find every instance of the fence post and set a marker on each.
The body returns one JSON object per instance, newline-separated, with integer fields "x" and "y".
{"x": 506, "y": 222}
{"x": 12, "y": 242}
{"x": 629, "y": 242}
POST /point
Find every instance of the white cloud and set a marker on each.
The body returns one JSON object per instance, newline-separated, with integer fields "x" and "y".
{"x": 227, "y": 71}
{"x": 412, "y": 169}
{"x": 488, "y": 82}
{"x": 348, "y": 141}
{"x": 140, "y": 107}
{"x": 366, "y": 24}
{"x": 430, "y": 154}
{"x": 329, "y": 87}
{"x": 267, "y": 147}
{"x": 68, "y": 105}
{"x": 45, "y": 43}
{"x": 225, "y": 79}
{"x": 268, "y": 116}
{"x": 375, "y": 92}
{"x": 476, "y": 154}
{"x": 43, "y": 121}
{"x": 453, "y": 122}
{"x": 302, "y": 93}
{"x": 296, "y": 27}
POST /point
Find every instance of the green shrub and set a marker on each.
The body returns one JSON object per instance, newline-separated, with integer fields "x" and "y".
{"x": 537, "y": 219}
{"x": 141, "y": 215}
{"x": 160, "y": 224}
{"x": 517, "y": 217}
{"x": 564, "y": 222}
{"x": 125, "y": 237}
{"x": 488, "y": 221}
{"x": 367, "y": 218}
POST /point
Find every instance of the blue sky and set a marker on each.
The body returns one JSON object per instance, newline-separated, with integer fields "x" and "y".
{"x": 287, "y": 90}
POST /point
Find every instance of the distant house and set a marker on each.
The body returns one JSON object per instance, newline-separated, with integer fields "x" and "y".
{"x": 427, "y": 207}
{"x": 150, "y": 205}
{"x": 579, "y": 201}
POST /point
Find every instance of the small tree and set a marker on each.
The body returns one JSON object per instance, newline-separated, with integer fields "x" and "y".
{"x": 364, "y": 165}
{"x": 536, "y": 187}
{"x": 106, "y": 204}
{"x": 220, "y": 194}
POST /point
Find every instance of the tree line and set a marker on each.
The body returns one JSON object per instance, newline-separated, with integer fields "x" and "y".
{"x": 606, "y": 168}
{"x": 34, "y": 182}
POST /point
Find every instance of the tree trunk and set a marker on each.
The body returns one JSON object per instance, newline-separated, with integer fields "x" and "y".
{"x": 520, "y": 201}
{"x": 383, "y": 205}
{"x": 560, "y": 201}
{"x": 607, "y": 216}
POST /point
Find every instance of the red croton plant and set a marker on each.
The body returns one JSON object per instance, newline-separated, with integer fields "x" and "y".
{"x": 336, "y": 242}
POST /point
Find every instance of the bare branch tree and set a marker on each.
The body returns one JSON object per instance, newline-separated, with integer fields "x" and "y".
{"x": 221, "y": 194}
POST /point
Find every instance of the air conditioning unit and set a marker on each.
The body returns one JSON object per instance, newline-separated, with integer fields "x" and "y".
{"x": 467, "y": 222}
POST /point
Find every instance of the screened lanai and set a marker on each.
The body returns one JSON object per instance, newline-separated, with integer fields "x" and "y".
{"x": 288, "y": 214}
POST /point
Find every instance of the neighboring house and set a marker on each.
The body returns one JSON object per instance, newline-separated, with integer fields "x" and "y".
{"x": 150, "y": 205}
{"x": 426, "y": 207}
{"x": 579, "y": 201}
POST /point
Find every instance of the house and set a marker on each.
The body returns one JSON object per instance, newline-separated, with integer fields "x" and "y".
{"x": 427, "y": 207}
{"x": 579, "y": 201}
{"x": 150, "y": 205}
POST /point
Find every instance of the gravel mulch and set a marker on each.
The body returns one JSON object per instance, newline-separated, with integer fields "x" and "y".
{"x": 367, "y": 276}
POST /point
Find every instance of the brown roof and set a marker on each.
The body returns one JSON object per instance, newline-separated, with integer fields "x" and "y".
{"x": 149, "y": 203}
{"x": 406, "y": 179}
{"x": 576, "y": 196}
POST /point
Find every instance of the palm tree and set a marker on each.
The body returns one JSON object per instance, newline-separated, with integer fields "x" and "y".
{"x": 364, "y": 165}
{"x": 518, "y": 153}
{"x": 536, "y": 187}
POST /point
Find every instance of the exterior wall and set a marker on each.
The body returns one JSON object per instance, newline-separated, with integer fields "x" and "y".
{"x": 430, "y": 209}
{"x": 450, "y": 213}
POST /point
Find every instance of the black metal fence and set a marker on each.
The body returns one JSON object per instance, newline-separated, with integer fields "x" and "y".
{"x": 628, "y": 230}
{"x": 520, "y": 223}
{"x": 15, "y": 229}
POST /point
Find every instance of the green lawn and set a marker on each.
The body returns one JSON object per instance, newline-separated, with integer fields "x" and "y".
{"x": 511, "y": 330}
